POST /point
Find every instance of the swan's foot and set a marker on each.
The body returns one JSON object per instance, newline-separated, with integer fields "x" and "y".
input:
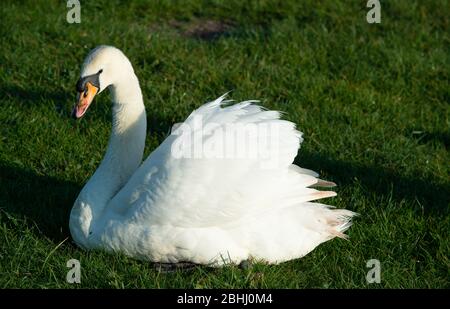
{"x": 171, "y": 267}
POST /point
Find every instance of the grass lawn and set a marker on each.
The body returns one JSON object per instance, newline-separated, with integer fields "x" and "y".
{"x": 371, "y": 99}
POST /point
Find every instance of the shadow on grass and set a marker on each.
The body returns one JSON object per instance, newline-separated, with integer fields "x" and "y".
{"x": 433, "y": 196}
{"x": 42, "y": 200}
{"x": 29, "y": 97}
{"x": 423, "y": 137}
{"x": 60, "y": 101}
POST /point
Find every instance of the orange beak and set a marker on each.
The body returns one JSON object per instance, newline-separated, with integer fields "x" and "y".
{"x": 85, "y": 99}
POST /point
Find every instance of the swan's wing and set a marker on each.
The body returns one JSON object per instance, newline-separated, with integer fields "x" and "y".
{"x": 206, "y": 174}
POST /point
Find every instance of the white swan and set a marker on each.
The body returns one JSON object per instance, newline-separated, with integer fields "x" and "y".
{"x": 185, "y": 206}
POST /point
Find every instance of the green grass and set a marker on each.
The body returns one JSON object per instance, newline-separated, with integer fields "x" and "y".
{"x": 372, "y": 100}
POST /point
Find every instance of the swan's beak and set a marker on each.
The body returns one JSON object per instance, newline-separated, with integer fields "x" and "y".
{"x": 85, "y": 99}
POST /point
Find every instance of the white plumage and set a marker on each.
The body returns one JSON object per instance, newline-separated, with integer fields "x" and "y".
{"x": 181, "y": 205}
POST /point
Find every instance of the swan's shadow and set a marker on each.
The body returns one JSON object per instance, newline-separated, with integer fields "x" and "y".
{"x": 44, "y": 201}
{"x": 434, "y": 197}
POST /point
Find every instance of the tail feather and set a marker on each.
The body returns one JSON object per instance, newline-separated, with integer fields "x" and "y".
{"x": 339, "y": 222}
{"x": 295, "y": 231}
{"x": 324, "y": 184}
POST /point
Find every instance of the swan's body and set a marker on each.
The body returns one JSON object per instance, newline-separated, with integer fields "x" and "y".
{"x": 175, "y": 208}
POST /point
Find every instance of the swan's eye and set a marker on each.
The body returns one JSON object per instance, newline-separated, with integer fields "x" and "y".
{"x": 85, "y": 93}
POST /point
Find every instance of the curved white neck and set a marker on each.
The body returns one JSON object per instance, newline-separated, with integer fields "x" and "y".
{"x": 122, "y": 158}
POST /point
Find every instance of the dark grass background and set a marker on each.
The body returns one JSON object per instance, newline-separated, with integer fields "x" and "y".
{"x": 372, "y": 100}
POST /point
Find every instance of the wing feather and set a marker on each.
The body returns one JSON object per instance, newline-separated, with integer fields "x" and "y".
{"x": 181, "y": 190}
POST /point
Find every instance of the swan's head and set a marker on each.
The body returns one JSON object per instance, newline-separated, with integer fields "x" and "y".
{"x": 104, "y": 66}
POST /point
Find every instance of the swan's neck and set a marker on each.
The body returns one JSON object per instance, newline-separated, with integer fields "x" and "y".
{"x": 122, "y": 158}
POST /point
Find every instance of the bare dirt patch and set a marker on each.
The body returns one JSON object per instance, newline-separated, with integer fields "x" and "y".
{"x": 204, "y": 29}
